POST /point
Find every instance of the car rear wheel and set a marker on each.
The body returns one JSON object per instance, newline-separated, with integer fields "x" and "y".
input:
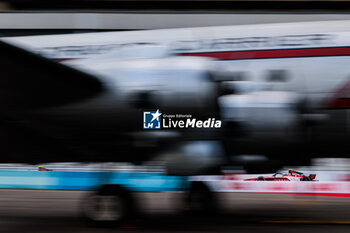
{"x": 305, "y": 178}
{"x": 108, "y": 206}
{"x": 200, "y": 199}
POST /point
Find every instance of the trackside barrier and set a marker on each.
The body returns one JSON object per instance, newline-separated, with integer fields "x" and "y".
{"x": 81, "y": 180}
{"x": 217, "y": 184}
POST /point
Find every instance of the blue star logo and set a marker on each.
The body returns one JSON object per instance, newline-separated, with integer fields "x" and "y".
{"x": 151, "y": 120}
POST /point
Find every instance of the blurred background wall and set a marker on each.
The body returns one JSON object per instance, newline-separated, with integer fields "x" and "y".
{"x": 28, "y": 17}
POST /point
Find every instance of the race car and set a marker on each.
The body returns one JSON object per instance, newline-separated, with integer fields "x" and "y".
{"x": 292, "y": 175}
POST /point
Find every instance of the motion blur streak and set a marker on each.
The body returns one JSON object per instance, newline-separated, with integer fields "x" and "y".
{"x": 224, "y": 128}
{"x": 57, "y": 211}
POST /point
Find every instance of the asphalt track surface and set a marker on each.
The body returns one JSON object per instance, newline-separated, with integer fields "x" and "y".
{"x": 59, "y": 211}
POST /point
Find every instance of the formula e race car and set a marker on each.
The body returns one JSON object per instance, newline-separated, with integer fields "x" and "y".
{"x": 292, "y": 175}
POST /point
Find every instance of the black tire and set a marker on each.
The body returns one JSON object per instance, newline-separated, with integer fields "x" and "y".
{"x": 260, "y": 178}
{"x": 305, "y": 178}
{"x": 108, "y": 206}
{"x": 200, "y": 199}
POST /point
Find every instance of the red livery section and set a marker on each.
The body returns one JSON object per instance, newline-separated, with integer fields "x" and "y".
{"x": 274, "y": 53}
{"x": 340, "y": 99}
